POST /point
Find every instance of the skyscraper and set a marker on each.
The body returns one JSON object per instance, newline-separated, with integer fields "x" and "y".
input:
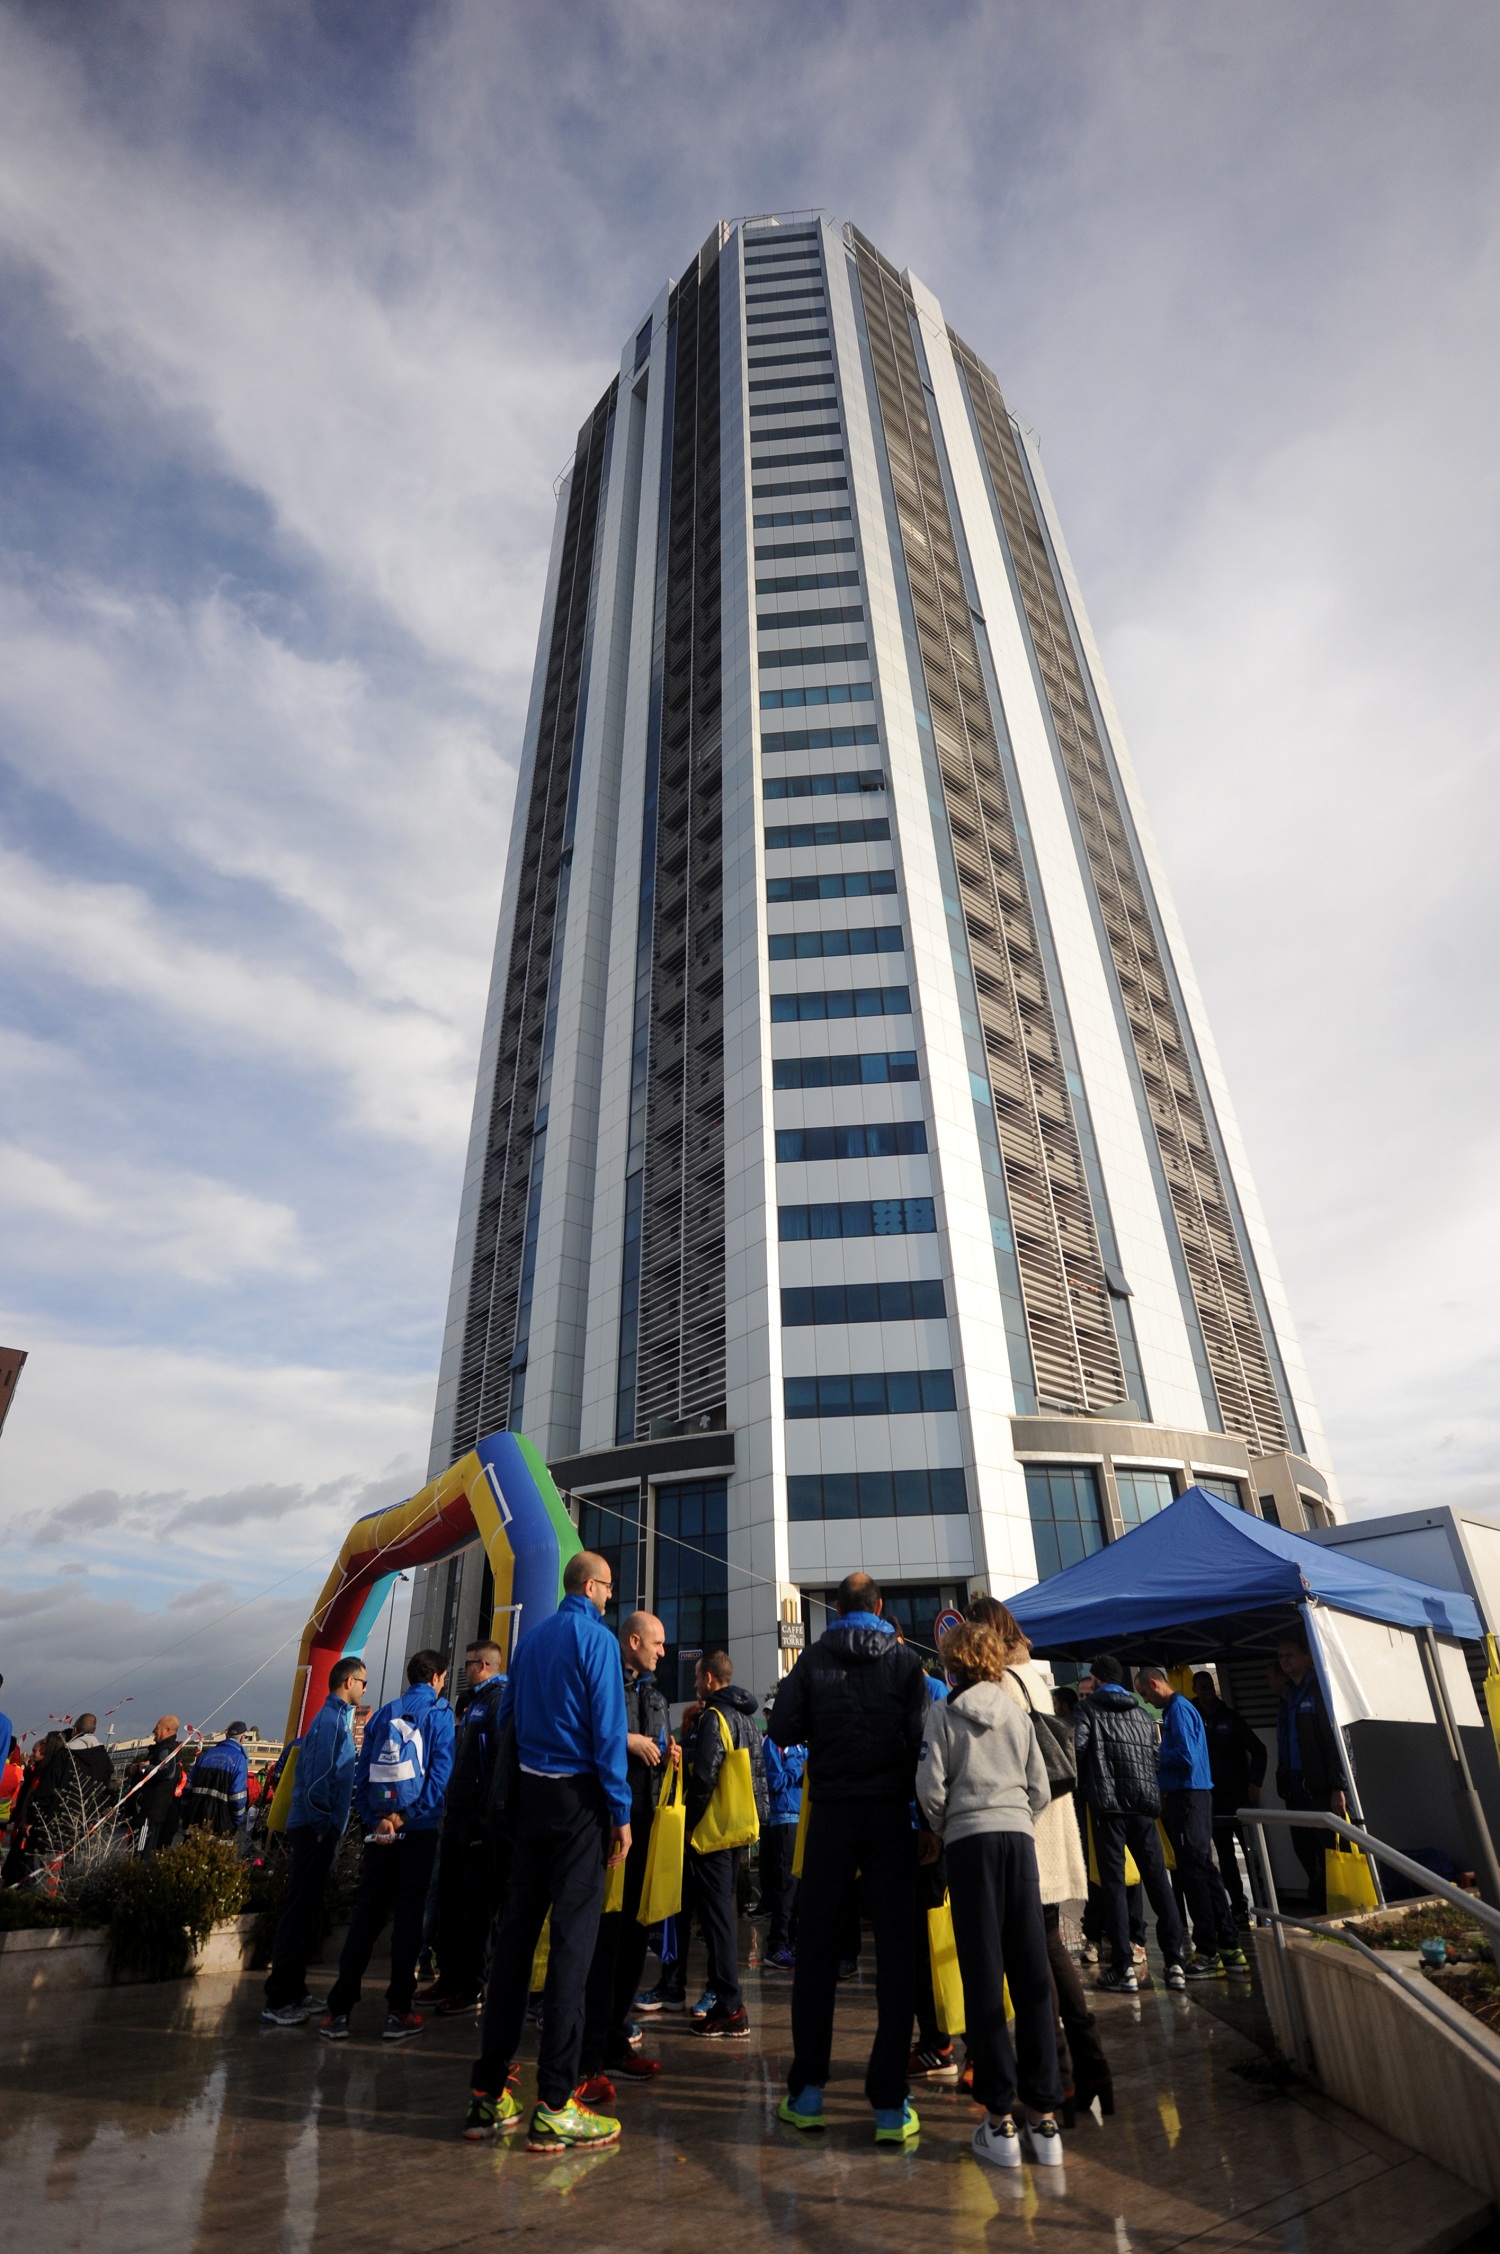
{"x": 852, "y": 1178}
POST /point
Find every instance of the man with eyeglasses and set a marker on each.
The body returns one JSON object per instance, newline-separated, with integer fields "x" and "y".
{"x": 569, "y": 1822}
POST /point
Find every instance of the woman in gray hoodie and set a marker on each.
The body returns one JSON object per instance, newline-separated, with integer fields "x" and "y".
{"x": 981, "y": 1782}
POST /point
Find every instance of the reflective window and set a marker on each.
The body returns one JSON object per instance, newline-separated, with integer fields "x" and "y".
{"x": 690, "y": 1584}
{"x": 1066, "y": 1522}
{"x": 870, "y": 1393}
{"x": 1142, "y": 1494}
{"x": 876, "y": 1494}
{"x": 611, "y": 1525}
{"x": 865, "y": 1071}
{"x": 1227, "y": 1490}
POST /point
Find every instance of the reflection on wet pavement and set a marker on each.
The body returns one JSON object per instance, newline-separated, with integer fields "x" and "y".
{"x": 162, "y": 2118}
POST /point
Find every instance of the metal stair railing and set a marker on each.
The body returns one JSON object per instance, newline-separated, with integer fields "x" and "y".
{"x": 1271, "y": 1912}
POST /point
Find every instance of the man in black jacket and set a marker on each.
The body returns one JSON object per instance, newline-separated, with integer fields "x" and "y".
{"x": 1309, "y": 1773}
{"x": 858, "y": 1701}
{"x": 473, "y": 1857}
{"x": 726, "y": 1723}
{"x": 620, "y": 1951}
{"x": 1117, "y": 1746}
{"x": 1237, "y": 1758}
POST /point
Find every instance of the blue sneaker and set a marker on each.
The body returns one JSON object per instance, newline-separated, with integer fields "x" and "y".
{"x": 705, "y": 2004}
{"x": 784, "y": 1960}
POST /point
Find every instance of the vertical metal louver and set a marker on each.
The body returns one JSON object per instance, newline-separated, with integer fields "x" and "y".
{"x": 1074, "y": 1345}
{"x": 1251, "y": 1391}
{"x": 680, "y": 1354}
{"x": 484, "y": 1382}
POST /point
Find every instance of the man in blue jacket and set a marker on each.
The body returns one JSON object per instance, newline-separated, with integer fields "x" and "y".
{"x": 399, "y": 1782}
{"x": 216, "y": 1796}
{"x": 778, "y": 1839}
{"x": 1187, "y": 1811}
{"x": 568, "y": 1812}
{"x": 322, "y": 1787}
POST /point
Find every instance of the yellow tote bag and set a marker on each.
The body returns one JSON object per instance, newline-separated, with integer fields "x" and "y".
{"x": 1168, "y": 1851}
{"x": 947, "y": 1986}
{"x": 1350, "y": 1881}
{"x": 543, "y": 1952}
{"x": 730, "y": 1819}
{"x": 281, "y": 1801}
{"x": 661, "y": 1885}
{"x": 1132, "y": 1874}
{"x": 799, "y": 1844}
{"x": 614, "y": 1889}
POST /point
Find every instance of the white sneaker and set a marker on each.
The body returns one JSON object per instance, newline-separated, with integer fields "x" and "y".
{"x": 1043, "y": 2142}
{"x": 1089, "y": 1953}
{"x": 1000, "y": 2147}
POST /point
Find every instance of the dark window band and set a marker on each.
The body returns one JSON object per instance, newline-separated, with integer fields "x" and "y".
{"x": 861, "y": 1217}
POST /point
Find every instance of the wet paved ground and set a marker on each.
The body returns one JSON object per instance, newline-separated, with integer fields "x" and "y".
{"x": 161, "y": 2118}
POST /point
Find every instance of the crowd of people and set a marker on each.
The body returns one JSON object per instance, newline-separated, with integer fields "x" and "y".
{"x": 534, "y": 1839}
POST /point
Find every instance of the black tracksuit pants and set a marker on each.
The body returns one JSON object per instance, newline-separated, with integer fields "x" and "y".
{"x": 300, "y": 1926}
{"x": 778, "y": 1888}
{"x": 716, "y": 1892}
{"x": 1001, "y": 1935}
{"x": 559, "y": 1845}
{"x": 1227, "y": 1835}
{"x": 1188, "y": 1815}
{"x": 874, "y": 1837}
{"x": 618, "y": 1962}
{"x": 393, "y": 1883}
{"x": 470, "y": 1888}
{"x": 932, "y": 1885}
{"x": 1113, "y": 1833}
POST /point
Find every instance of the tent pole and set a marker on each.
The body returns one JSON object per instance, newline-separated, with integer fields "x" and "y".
{"x": 1465, "y": 1799}
{"x": 1346, "y": 1758}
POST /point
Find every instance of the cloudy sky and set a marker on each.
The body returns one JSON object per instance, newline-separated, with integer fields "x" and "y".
{"x": 302, "y": 308}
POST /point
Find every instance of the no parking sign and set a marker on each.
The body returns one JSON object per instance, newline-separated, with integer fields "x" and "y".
{"x": 945, "y": 1620}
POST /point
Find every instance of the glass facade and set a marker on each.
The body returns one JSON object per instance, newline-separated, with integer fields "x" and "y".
{"x": 1066, "y": 1521}
{"x": 1227, "y": 1490}
{"x": 1142, "y": 1494}
{"x": 611, "y": 1525}
{"x": 690, "y": 1576}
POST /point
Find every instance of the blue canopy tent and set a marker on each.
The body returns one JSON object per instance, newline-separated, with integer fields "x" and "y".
{"x": 1204, "y": 1581}
{"x": 1202, "y": 1576}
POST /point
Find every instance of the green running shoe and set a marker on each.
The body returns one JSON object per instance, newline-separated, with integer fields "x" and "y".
{"x": 491, "y": 2116}
{"x": 1234, "y": 1960}
{"x": 570, "y": 2128}
{"x": 898, "y": 2132}
{"x": 787, "y": 2112}
{"x": 1204, "y": 1968}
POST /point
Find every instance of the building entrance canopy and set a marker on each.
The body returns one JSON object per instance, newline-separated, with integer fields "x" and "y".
{"x": 1202, "y": 1576}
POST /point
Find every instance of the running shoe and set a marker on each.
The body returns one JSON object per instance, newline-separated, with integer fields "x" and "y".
{"x": 454, "y": 2007}
{"x": 1234, "y": 1960}
{"x": 568, "y": 2128}
{"x": 783, "y": 1960}
{"x": 1176, "y": 1977}
{"x": 937, "y": 2065}
{"x": 491, "y": 2116}
{"x": 704, "y": 2005}
{"x": 1138, "y": 1955}
{"x": 335, "y": 2028}
{"x": 848, "y": 1967}
{"x": 1120, "y": 1980}
{"x": 1042, "y": 2141}
{"x": 1000, "y": 2147}
{"x": 1204, "y": 1968}
{"x": 791, "y": 2110}
{"x": 400, "y": 2026}
{"x": 649, "y": 1999}
{"x": 594, "y": 2089}
{"x": 717, "y": 2026}
{"x": 1088, "y": 1954}
{"x": 897, "y": 2128}
{"x": 290, "y": 2015}
{"x": 635, "y": 2068}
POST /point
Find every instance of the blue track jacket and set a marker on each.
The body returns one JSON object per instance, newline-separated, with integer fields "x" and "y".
{"x": 566, "y": 1694}
{"x": 1183, "y": 1763}
{"x": 323, "y": 1785}
{"x": 222, "y": 1773}
{"x": 784, "y": 1767}
{"x": 433, "y": 1716}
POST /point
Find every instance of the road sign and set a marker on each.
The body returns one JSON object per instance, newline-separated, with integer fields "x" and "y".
{"x": 945, "y": 1620}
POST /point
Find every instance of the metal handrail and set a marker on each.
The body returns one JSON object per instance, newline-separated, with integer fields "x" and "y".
{"x": 1418, "y": 1991}
{"x": 1322, "y": 1819}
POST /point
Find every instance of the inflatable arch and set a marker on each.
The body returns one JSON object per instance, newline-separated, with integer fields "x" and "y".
{"x": 501, "y": 1491}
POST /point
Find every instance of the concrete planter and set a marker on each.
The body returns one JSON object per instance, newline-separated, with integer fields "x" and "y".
{"x": 1429, "y": 2077}
{"x": 49, "y": 1957}
{"x": 52, "y": 1957}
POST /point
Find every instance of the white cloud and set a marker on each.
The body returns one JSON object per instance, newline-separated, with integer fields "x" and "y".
{"x": 208, "y": 1232}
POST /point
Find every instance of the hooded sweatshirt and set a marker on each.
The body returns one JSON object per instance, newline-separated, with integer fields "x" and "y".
{"x": 980, "y": 1768}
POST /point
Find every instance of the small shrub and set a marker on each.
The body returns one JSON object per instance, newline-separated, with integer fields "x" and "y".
{"x": 160, "y": 1908}
{"x": 22, "y": 1908}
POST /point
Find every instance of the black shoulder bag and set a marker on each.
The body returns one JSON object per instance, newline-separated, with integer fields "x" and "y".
{"x": 1055, "y": 1737}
